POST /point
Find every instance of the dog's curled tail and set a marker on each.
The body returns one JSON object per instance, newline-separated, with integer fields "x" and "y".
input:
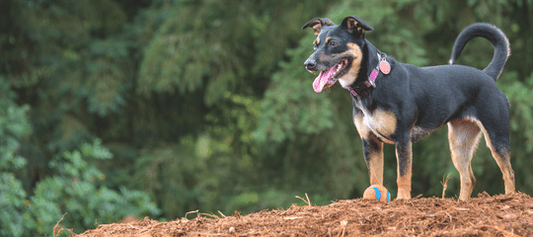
{"x": 492, "y": 33}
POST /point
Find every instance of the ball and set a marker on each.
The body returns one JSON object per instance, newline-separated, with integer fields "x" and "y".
{"x": 377, "y": 192}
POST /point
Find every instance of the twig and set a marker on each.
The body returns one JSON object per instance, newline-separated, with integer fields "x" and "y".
{"x": 58, "y": 229}
{"x": 210, "y": 215}
{"x": 221, "y": 214}
{"x": 343, "y": 224}
{"x": 197, "y": 213}
{"x": 308, "y": 202}
{"x": 444, "y": 183}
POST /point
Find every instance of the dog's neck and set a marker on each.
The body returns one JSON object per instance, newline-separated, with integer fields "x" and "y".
{"x": 369, "y": 62}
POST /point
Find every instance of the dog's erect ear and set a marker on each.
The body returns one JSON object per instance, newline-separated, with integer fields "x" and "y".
{"x": 317, "y": 24}
{"x": 355, "y": 24}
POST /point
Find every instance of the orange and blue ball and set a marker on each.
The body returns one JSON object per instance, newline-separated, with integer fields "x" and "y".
{"x": 377, "y": 192}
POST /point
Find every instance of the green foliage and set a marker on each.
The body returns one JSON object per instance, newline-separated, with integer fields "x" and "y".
{"x": 75, "y": 190}
{"x": 73, "y": 187}
{"x": 12, "y": 205}
{"x": 206, "y": 105}
{"x": 13, "y": 127}
{"x": 288, "y": 109}
{"x": 217, "y": 47}
{"x": 218, "y": 56}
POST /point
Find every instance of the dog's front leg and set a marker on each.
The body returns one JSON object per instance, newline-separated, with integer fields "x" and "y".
{"x": 404, "y": 157}
{"x": 372, "y": 150}
{"x": 373, "y": 153}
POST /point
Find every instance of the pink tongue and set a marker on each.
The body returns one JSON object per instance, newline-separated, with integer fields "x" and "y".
{"x": 322, "y": 79}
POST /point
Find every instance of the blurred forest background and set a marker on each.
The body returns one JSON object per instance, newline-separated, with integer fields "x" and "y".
{"x": 111, "y": 108}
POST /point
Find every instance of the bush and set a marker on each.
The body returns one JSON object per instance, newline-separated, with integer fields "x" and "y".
{"x": 75, "y": 190}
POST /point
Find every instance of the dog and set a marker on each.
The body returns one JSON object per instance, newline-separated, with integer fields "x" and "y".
{"x": 399, "y": 103}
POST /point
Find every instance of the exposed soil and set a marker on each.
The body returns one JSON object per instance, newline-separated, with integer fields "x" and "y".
{"x": 500, "y": 215}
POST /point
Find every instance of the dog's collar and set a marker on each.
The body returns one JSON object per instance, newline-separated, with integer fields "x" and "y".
{"x": 383, "y": 66}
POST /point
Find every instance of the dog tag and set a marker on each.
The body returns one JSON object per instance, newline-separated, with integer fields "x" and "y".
{"x": 384, "y": 67}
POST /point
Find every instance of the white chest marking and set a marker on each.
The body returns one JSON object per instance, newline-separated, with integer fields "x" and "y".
{"x": 381, "y": 122}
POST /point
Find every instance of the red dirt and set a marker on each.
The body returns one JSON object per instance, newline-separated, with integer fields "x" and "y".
{"x": 500, "y": 215}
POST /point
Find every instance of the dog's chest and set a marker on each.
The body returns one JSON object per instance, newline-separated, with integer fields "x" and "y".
{"x": 381, "y": 122}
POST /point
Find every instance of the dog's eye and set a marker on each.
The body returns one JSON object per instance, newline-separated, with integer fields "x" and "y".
{"x": 333, "y": 43}
{"x": 314, "y": 46}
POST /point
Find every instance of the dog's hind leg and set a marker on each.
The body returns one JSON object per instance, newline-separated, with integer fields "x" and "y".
{"x": 502, "y": 155}
{"x": 493, "y": 118}
{"x": 499, "y": 143}
{"x": 463, "y": 136}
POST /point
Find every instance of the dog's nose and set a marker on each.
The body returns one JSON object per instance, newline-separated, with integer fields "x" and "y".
{"x": 310, "y": 65}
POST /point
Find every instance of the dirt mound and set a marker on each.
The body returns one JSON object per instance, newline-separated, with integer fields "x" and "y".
{"x": 501, "y": 215}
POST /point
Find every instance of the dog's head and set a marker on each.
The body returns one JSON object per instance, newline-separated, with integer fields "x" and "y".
{"x": 338, "y": 51}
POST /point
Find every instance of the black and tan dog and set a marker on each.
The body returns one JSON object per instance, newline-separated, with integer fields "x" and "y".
{"x": 398, "y": 103}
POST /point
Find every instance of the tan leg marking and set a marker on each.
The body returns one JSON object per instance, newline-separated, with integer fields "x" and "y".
{"x": 404, "y": 171}
{"x": 463, "y": 136}
{"x": 376, "y": 163}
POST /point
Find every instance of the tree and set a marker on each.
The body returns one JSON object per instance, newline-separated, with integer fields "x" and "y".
{"x": 51, "y": 80}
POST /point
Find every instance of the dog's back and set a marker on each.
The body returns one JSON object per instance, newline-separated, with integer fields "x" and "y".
{"x": 459, "y": 91}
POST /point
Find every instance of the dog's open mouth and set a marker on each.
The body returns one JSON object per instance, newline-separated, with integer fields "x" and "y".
{"x": 328, "y": 77}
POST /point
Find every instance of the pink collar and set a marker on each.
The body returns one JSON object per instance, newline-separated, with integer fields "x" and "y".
{"x": 382, "y": 66}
